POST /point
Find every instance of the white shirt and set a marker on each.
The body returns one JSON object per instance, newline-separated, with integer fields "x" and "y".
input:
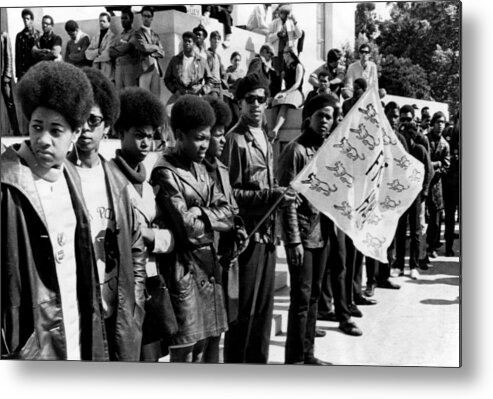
{"x": 187, "y": 69}
{"x": 356, "y": 71}
{"x": 102, "y": 217}
{"x": 61, "y": 223}
{"x": 259, "y": 137}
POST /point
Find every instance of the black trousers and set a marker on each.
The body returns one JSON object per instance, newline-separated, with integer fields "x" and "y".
{"x": 8, "y": 97}
{"x": 451, "y": 197}
{"x": 378, "y": 272}
{"x": 305, "y": 283}
{"x": 256, "y": 350}
{"x": 433, "y": 230}
{"x": 334, "y": 281}
{"x": 412, "y": 214}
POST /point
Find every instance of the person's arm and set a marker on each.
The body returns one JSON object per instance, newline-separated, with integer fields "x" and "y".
{"x": 170, "y": 81}
{"x": 429, "y": 173}
{"x": 234, "y": 156}
{"x": 104, "y": 55}
{"x": 339, "y": 76}
{"x": 7, "y": 72}
{"x": 348, "y": 84}
{"x": 143, "y": 45}
{"x": 92, "y": 50}
{"x": 313, "y": 79}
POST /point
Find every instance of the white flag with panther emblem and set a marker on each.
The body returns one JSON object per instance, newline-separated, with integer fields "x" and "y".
{"x": 362, "y": 177}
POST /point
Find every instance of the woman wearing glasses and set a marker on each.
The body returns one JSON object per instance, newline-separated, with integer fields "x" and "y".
{"x": 50, "y": 307}
{"x": 116, "y": 234}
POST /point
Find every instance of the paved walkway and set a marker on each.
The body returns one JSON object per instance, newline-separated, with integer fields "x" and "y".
{"x": 417, "y": 325}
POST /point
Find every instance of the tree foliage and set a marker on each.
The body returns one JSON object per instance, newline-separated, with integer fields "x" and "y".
{"x": 366, "y": 23}
{"x": 404, "y": 78}
{"x": 428, "y": 34}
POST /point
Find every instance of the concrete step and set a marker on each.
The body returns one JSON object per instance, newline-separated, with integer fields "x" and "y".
{"x": 276, "y": 328}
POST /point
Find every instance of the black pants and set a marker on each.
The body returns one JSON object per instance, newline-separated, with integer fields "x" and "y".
{"x": 433, "y": 230}
{"x": 305, "y": 283}
{"x": 412, "y": 214}
{"x": 334, "y": 281}
{"x": 451, "y": 196}
{"x": 378, "y": 272}
{"x": 358, "y": 275}
{"x": 256, "y": 350}
{"x": 8, "y": 97}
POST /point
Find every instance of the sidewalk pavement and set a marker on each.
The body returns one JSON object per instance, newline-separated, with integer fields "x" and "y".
{"x": 417, "y": 325}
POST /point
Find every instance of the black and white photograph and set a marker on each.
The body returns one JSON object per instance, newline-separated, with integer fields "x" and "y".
{"x": 255, "y": 184}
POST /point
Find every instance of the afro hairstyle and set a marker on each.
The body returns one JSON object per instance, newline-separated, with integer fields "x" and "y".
{"x": 105, "y": 95}
{"x": 191, "y": 112}
{"x": 139, "y": 107}
{"x": 58, "y": 86}
{"x": 250, "y": 83}
{"x": 221, "y": 111}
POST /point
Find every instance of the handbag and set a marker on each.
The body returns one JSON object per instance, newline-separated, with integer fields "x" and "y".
{"x": 160, "y": 320}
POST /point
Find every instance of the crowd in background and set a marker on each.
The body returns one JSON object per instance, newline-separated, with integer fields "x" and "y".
{"x": 86, "y": 240}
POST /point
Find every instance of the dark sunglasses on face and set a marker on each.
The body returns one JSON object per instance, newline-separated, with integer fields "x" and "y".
{"x": 251, "y": 99}
{"x": 406, "y": 120}
{"x": 364, "y": 52}
{"x": 94, "y": 121}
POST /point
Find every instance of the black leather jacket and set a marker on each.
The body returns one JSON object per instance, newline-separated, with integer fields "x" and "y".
{"x": 301, "y": 224}
{"x": 251, "y": 174}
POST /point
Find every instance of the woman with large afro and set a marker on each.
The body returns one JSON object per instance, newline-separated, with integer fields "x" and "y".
{"x": 196, "y": 210}
{"x": 116, "y": 236}
{"x": 141, "y": 114}
{"x": 51, "y": 309}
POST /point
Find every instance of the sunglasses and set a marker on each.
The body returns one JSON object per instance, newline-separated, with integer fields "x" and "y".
{"x": 251, "y": 99}
{"x": 406, "y": 120}
{"x": 95, "y": 121}
{"x": 364, "y": 52}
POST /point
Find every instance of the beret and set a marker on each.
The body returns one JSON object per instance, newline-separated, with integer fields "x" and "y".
{"x": 249, "y": 83}
{"x": 316, "y": 103}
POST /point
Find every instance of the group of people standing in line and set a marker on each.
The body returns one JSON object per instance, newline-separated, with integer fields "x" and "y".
{"x": 81, "y": 235}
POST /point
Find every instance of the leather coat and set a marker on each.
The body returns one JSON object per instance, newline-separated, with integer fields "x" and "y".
{"x": 128, "y": 250}
{"x": 251, "y": 174}
{"x": 32, "y": 319}
{"x": 301, "y": 224}
{"x": 192, "y": 270}
{"x": 440, "y": 159}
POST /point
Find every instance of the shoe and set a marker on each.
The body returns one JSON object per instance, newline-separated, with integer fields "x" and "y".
{"x": 396, "y": 272}
{"x": 330, "y": 316}
{"x": 456, "y": 235}
{"x": 350, "y": 328}
{"x": 424, "y": 264}
{"x": 354, "y": 311}
{"x": 449, "y": 253}
{"x": 370, "y": 290}
{"x": 388, "y": 284}
{"x": 361, "y": 300}
{"x": 414, "y": 274}
{"x": 432, "y": 254}
{"x": 313, "y": 361}
{"x": 319, "y": 333}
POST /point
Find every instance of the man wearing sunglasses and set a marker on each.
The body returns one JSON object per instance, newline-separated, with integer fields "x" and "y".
{"x": 248, "y": 154}
{"x": 363, "y": 68}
